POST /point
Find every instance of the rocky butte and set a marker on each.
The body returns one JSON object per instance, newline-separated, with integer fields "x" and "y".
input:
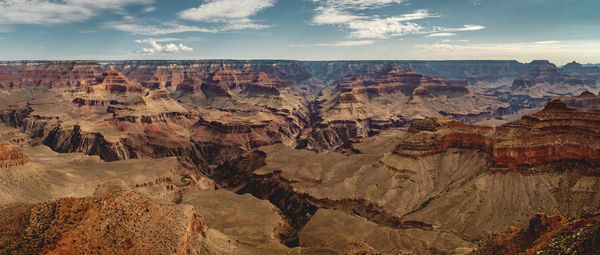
{"x": 114, "y": 82}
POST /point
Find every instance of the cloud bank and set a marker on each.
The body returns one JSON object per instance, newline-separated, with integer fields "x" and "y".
{"x": 156, "y": 48}
{"x": 346, "y": 15}
{"x": 58, "y": 12}
{"x": 233, "y": 14}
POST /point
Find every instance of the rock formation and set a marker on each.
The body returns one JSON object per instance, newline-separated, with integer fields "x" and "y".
{"x": 8, "y": 81}
{"x": 577, "y": 70}
{"x": 10, "y": 156}
{"x": 393, "y": 79}
{"x": 59, "y": 74}
{"x": 362, "y": 248}
{"x": 547, "y": 235}
{"x": 115, "y": 82}
{"x": 172, "y": 72}
{"x": 364, "y": 104}
{"x": 189, "y": 85}
{"x": 586, "y": 100}
{"x": 115, "y": 220}
{"x": 541, "y": 81}
{"x": 539, "y": 71}
{"x": 380, "y": 151}
{"x": 557, "y": 133}
{"x": 473, "y": 71}
{"x": 221, "y": 82}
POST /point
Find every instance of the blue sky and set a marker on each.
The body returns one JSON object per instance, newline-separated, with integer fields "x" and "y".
{"x": 558, "y": 30}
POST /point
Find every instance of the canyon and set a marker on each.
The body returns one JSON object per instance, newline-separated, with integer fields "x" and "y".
{"x": 297, "y": 157}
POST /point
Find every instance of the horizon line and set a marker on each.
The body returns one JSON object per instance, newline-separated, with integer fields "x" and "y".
{"x": 276, "y": 59}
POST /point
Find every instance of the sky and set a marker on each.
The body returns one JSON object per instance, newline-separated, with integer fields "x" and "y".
{"x": 558, "y": 30}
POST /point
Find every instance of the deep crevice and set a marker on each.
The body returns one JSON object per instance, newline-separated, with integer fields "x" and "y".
{"x": 295, "y": 207}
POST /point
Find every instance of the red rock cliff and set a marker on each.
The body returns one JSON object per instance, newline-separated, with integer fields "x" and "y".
{"x": 10, "y": 156}
{"x": 557, "y": 133}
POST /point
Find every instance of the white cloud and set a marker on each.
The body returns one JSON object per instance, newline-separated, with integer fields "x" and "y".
{"x": 241, "y": 25}
{"x": 166, "y": 48}
{"x": 441, "y": 34}
{"x": 328, "y": 15}
{"x": 165, "y": 39}
{"x": 225, "y": 10}
{"x": 167, "y": 28}
{"x": 464, "y": 28}
{"x": 357, "y": 4}
{"x": 382, "y": 28}
{"x": 476, "y": 2}
{"x": 346, "y": 43}
{"x": 234, "y": 14}
{"x": 346, "y": 15}
{"x": 338, "y": 44}
{"x": 547, "y": 42}
{"x": 448, "y": 31}
{"x": 56, "y": 12}
{"x": 449, "y": 41}
{"x": 371, "y": 26}
{"x": 149, "y": 9}
{"x": 169, "y": 39}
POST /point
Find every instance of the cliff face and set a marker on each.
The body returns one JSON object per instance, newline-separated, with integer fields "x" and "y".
{"x": 577, "y": 70}
{"x": 440, "y": 175}
{"x": 112, "y": 81}
{"x": 223, "y": 83}
{"x": 154, "y": 74}
{"x": 292, "y": 101}
{"x": 364, "y": 104}
{"x": 8, "y": 81}
{"x": 393, "y": 79}
{"x": 585, "y": 100}
{"x": 10, "y": 156}
{"x": 541, "y": 81}
{"x": 112, "y": 118}
{"x": 542, "y": 71}
{"x": 59, "y": 74}
{"x": 473, "y": 71}
{"x": 555, "y": 134}
{"x": 539, "y": 71}
{"x": 115, "y": 220}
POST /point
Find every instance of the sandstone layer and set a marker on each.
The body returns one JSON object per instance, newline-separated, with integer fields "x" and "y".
{"x": 8, "y": 81}
{"x": 10, "y": 156}
{"x": 555, "y": 134}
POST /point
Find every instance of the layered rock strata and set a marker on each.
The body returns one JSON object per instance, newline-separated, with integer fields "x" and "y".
{"x": 10, "y": 156}
{"x": 59, "y": 74}
{"x": 115, "y": 82}
{"x": 8, "y": 81}
{"x": 557, "y": 133}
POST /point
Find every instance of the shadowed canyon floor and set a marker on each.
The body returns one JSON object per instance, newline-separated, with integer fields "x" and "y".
{"x": 292, "y": 157}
